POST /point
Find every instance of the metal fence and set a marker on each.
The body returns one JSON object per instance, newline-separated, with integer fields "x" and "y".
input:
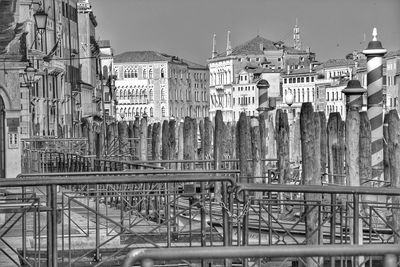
{"x": 96, "y": 218}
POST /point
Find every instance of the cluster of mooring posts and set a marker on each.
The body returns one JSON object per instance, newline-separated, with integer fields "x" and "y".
{"x": 330, "y": 163}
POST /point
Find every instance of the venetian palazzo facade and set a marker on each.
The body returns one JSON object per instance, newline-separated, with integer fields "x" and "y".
{"x": 49, "y": 105}
{"x": 159, "y": 86}
{"x": 259, "y": 52}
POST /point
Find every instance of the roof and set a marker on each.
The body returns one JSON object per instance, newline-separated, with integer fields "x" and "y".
{"x": 331, "y": 63}
{"x": 305, "y": 71}
{"x": 153, "y": 56}
{"x": 193, "y": 65}
{"x": 104, "y": 43}
{"x": 140, "y": 56}
{"x": 252, "y": 47}
{"x": 392, "y": 54}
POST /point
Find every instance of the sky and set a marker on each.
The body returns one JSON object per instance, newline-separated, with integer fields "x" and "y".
{"x": 185, "y": 28}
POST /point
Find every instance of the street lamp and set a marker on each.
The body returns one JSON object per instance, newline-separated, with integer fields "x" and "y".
{"x": 40, "y": 19}
{"x": 289, "y": 99}
{"x": 29, "y": 77}
{"x": 30, "y": 73}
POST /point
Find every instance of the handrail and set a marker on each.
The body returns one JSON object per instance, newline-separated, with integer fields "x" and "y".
{"x": 90, "y": 178}
{"x": 187, "y": 253}
{"x": 128, "y": 172}
{"x": 361, "y": 190}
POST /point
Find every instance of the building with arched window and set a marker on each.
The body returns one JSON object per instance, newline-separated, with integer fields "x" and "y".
{"x": 258, "y": 52}
{"x": 159, "y": 85}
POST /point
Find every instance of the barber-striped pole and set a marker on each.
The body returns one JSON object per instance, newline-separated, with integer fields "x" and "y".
{"x": 263, "y": 103}
{"x": 375, "y": 53}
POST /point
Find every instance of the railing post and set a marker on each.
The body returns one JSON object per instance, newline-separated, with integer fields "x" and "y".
{"x": 52, "y": 226}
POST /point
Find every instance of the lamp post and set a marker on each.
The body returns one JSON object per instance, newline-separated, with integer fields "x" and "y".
{"x": 29, "y": 76}
{"x": 122, "y": 115}
{"x": 289, "y": 98}
{"x": 40, "y": 17}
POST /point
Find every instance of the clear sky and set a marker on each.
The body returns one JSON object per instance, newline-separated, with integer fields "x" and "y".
{"x": 331, "y": 28}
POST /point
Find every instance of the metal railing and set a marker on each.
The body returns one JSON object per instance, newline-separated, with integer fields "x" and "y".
{"x": 166, "y": 208}
{"x": 147, "y": 257}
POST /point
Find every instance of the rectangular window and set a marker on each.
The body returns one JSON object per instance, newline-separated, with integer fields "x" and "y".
{"x": 312, "y": 79}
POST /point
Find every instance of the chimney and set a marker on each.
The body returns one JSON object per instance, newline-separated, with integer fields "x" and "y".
{"x": 228, "y": 44}
{"x": 261, "y": 46}
{"x": 214, "y": 50}
{"x": 287, "y": 69}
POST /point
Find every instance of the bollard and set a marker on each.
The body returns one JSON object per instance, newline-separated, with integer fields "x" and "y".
{"x": 354, "y": 93}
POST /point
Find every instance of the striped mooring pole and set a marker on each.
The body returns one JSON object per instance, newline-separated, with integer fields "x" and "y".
{"x": 263, "y": 101}
{"x": 374, "y": 54}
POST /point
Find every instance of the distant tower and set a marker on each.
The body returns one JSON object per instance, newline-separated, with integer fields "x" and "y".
{"x": 214, "y": 50}
{"x": 296, "y": 37}
{"x": 228, "y": 44}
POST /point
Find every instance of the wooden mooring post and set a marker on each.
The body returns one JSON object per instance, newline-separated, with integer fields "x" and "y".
{"x": 310, "y": 125}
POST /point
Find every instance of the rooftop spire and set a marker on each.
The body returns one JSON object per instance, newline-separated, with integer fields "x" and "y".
{"x": 296, "y": 37}
{"x": 214, "y": 50}
{"x": 228, "y": 44}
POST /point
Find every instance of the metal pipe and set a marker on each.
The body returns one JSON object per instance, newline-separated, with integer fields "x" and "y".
{"x": 362, "y": 190}
{"x": 263, "y": 251}
{"x": 62, "y": 179}
{"x": 111, "y": 173}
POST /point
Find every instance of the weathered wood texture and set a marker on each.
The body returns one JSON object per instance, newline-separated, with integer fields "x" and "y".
{"x": 244, "y": 147}
{"x": 218, "y": 148}
{"x": 365, "y": 163}
{"x": 310, "y": 125}
{"x": 282, "y": 146}
{"x": 394, "y": 152}
{"x": 335, "y": 133}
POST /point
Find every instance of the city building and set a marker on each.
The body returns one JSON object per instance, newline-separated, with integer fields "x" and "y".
{"x": 245, "y": 96}
{"x": 392, "y": 63}
{"x": 107, "y": 79}
{"x": 301, "y": 83}
{"x": 332, "y": 78}
{"x": 160, "y": 86}
{"x": 257, "y": 52}
{"x": 41, "y": 52}
{"x": 71, "y": 104}
{"x": 89, "y": 51}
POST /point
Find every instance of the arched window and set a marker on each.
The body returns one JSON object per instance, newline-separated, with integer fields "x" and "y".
{"x": 135, "y": 72}
{"x": 162, "y": 74}
{"x": 144, "y": 74}
{"x": 162, "y": 94}
{"x": 163, "y": 112}
{"x": 151, "y": 95}
{"x": 151, "y": 112}
{"x": 150, "y": 73}
{"x": 125, "y": 94}
{"x": 125, "y": 73}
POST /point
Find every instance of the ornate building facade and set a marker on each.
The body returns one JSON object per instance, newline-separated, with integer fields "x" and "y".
{"x": 257, "y": 52}
{"x": 160, "y": 86}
